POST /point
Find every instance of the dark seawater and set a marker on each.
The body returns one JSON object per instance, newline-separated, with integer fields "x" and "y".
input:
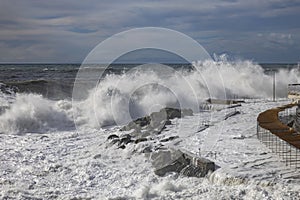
{"x": 55, "y": 81}
{"x": 50, "y": 80}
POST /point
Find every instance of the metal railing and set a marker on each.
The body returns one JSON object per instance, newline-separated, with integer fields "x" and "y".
{"x": 286, "y": 152}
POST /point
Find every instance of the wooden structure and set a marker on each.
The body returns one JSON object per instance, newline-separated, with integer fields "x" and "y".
{"x": 281, "y": 138}
{"x": 269, "y": 120}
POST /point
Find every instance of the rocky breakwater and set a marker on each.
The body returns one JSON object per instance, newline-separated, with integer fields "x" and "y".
{"x": 146, "y": 135}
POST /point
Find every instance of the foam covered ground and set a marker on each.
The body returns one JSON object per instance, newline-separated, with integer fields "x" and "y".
{"x": 80, "y": 165}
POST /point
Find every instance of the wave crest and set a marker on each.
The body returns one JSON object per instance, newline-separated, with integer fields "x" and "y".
{"x": 33, "y": 113}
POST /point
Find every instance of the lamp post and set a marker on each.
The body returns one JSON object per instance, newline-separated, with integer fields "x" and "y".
{"x": 273, "y": 73}
{"x": 274, "y": 85}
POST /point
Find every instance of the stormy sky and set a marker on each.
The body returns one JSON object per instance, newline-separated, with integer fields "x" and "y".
{"x": 62, "y": 31}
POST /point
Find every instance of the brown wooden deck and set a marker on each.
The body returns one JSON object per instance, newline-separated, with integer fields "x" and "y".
{"x": 269, "y": 120}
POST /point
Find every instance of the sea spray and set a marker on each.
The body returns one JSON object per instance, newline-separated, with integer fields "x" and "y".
{"x": 33, "y": 113}
{"x": 119, "y": 98}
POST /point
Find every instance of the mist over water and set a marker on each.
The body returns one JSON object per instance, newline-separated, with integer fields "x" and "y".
{"x": 119, "y": 97}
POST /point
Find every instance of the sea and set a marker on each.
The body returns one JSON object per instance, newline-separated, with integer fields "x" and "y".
{"x": 133, "y": 90}
{"x": 55, "y": 120}
{"x": 55, "y": 81}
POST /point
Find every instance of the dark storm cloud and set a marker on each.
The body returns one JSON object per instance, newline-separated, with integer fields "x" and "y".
{"x": 66, "y": 30}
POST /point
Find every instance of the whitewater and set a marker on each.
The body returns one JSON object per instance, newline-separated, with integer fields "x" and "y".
{"x": 58, "y": 149}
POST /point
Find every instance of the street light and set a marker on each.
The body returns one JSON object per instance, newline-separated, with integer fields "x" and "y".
{"x": 269, "y": 71}
{"x": 274, "y": 85}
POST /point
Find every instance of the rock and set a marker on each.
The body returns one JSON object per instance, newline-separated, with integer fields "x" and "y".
{"x": 125, "y": 141}
{"x": 173, "y": 113}
{"x": 165, "y": 161}
{"x": 231, "y": 114}
{"x": 113, "y": 136}
{"x": 44, "y": 137}
{"x": 145, "y": 134}
{"x": 120, "y": 198}
{"x": 169, "y": 139}
{"x": 130, "y": 126}
{"x": 147, "y": 150}
{"x": 140, "y": 140}
{"x": 187, "y": 112}
{"x": 202, "y": 128}
{"x": 137, "y": 124}
{"x": 114, "y": 141}
{"x": 149, "y": 127}
{"x": 97, "y": 156}
{"x": 170, "y": 160}
{"x": 157, "y": 120}
{"x": 223, "y": 101}
{"x": 239, "y": 137}
{"x": 122, "y": 147}
{"x": 168, "y": 122}
{"x": 191, "y": 170}
{"x": 176, "y": 166}
{"x": 143, "y": 121}
{"x": 126, "y": 136}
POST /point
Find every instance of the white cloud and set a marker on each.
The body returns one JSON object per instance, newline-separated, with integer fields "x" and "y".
{"x": 71, "y": 25}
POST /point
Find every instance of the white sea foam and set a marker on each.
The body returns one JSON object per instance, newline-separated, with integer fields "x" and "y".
{"x": 121, "y": 97}
{"x": 66, "y": 165}
{"x": 33, "y": 113}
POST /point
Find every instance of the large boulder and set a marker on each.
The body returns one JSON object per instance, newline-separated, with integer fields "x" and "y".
{"x": 157, "y": 120}
{"x": 170, "y": 160}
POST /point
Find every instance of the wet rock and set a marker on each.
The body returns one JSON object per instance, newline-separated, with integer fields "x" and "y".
{"x": 121, "y": 198}
{"x": 147, "y": 150}
{"x": 122, "y": 147}
{"x": 55, "y": 168}
{"x": 143, "y": 121}
{"x": 223, "y": 101}
{"x": 187, "y": 112}
{"x": 137, "y": 124}
{"x": 202, "y": 128}
{"x": 168, "y": 122}
{"x": 191, "y": 170}
{"x": 169, "y": 139}
{"x": 239, "y": 137}
{"x": 44, "y": 137}
{"x": 157, "y": 120}
{"x": 170, "y": 160}
{"x": 31, "y": 186}
{"x": 126, "y": 139}
{"x": 231, "y": 114}
{"x": 113, "y": 136}
{"x": 114, "y": 141}
{"x": 140, "y": 140}
{"x": 97, "y": 156}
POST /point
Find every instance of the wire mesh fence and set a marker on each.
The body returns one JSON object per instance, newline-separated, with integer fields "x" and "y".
{"x": 287, "y": 153}
{"x": 287, "y": 116}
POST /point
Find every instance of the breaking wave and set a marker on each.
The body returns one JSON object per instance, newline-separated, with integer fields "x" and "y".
{"x": 120, "y": 97}
{"x": 34, "y": 114}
